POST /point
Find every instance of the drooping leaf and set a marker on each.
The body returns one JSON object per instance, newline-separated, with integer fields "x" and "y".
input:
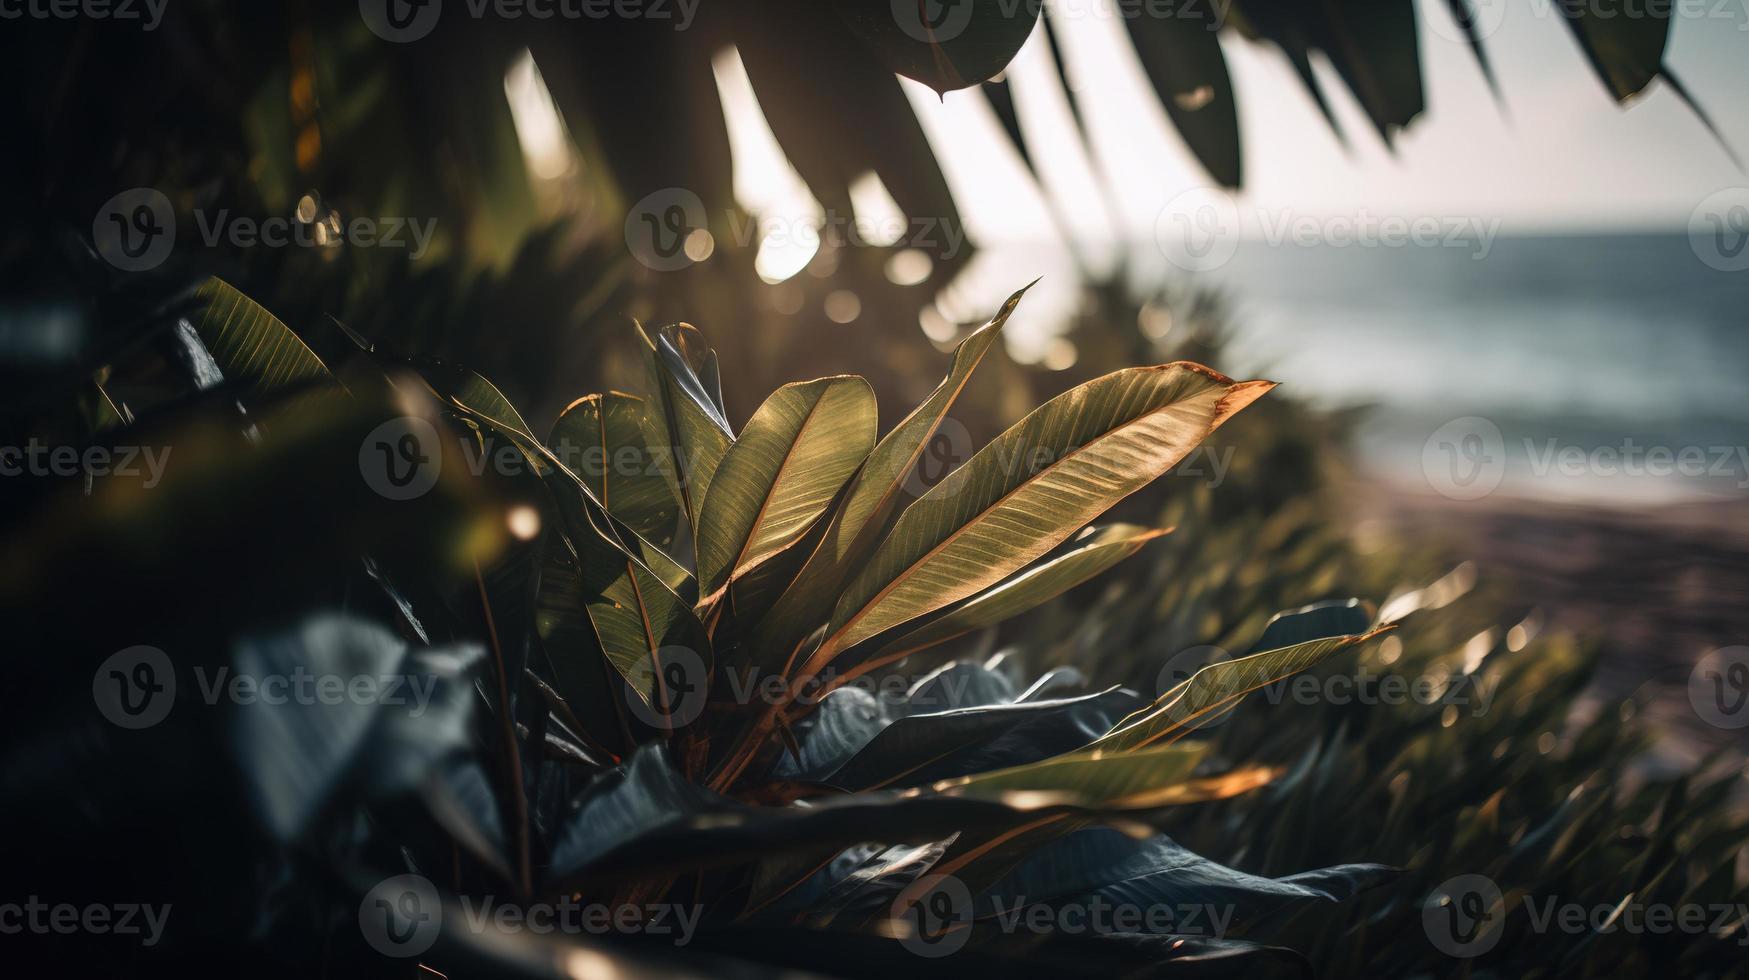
{"x": 1184, "y": 61}
{"x": 1626, "y": 52}
{"x": 601, "y": 438}
{"x": 943, "y": 45}
{"x": 845, "y": 82}
{"x": 1372, "y": 44}
{"x": 876, "y": 495}
{"x": 781, "y": 473}
{"x": 1463, "y": 13}
{"x": 1028, "y": 490}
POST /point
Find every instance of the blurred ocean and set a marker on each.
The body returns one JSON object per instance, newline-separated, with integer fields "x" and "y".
{"x": 1613, "y": 367}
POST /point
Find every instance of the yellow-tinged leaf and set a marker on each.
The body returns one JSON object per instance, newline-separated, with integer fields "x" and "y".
{"x": 781, "y": 474}
{"x": 1031, "y": 488}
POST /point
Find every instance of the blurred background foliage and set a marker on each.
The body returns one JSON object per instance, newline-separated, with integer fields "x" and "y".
{"x": 258, "y": 108}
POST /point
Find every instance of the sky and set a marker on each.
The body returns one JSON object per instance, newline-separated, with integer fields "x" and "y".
{"x": 1564, "y": 156}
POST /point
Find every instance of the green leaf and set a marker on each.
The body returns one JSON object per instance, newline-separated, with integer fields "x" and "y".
{"x": 875, "y": 496}
{"x": 1089, "y": 778}
{"x": 781, "y": 474}
{"x": 1218, "y": 685}
{"x": 601, "y": 438}
{"x": 1031, "y": 488}
{"x": 632, "y": 606}
{"x": 247, "y": 342}
{"x": 684, "y": 417}
{"x": 1102, "y": 549}
{"x": 475, "y": 392}
{"x": 635, "y": 614}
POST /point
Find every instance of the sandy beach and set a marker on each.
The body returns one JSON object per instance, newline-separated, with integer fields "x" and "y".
{"x": 1658, "y": 587}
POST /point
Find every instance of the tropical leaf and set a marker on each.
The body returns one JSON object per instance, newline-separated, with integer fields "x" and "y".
{"x": 943, "y": 45}
{"x": 1626, "y": 52}
{"x": 1372, "y": 44}
{"x": 1028, "y": 490}
{"x": 642, "y": 625}
{"x": 1101, "y": 864}
{"x": 296, "y": 753}
{"x": 484, "y": 397}
{"x": 927, "y": 748}
{"x": 1218, "y": 685}
{"x": 1184, "y": 61}
{"x": 846, "y": 720}
{"x": 1088, "y": 778}
{"x": 684, "y": 417}
{"x": 781, "y": 474}
{"x": 601, "y": 438}
{"x": 248, "y": 343}
{"x": 875, "y": 496}
{"x": 1103, "y": 548}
